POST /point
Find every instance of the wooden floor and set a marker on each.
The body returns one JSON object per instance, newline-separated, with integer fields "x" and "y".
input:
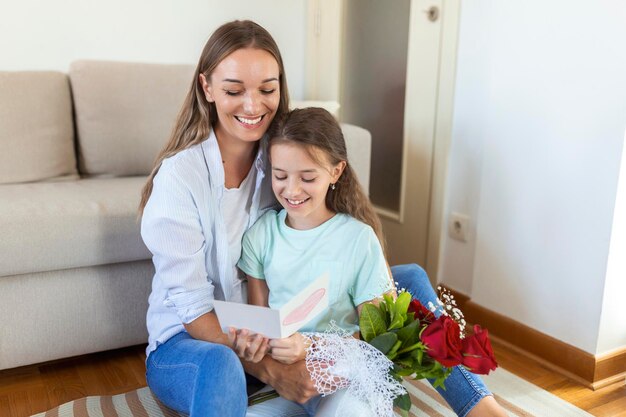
{"x": 605, "y": 402}
{"x": 32, "y": 389}
{"x": 29, "y": 390}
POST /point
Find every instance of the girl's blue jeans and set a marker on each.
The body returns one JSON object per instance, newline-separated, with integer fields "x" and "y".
{"x": 204, "y": 379}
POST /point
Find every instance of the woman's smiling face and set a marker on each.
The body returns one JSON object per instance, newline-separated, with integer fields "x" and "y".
{"x": 245, "y": 88}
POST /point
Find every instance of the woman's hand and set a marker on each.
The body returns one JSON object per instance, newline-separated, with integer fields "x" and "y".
{"x": 293, "y": 382}
{"x": 289, "y": 350}
{"x": 251, "y": 348}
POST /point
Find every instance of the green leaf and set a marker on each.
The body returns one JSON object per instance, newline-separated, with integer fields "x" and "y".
{"x": 384, "y": 309}
{"x": 419, "y": 356}
{"x": 403, "y": 402}
{"x": 436, "y": 366}
{"x": 371, "y": 322}
{"x": 396, "y": 322}
{"x": 420, "y": 374}
{"x": 409, "y": 335}
{"x": 389, "y": 303}
{"x": 388, "y": 300}
{"x": 410, "y": 318}
{"x": 439, "y": 382}
{"x": 405, "y": 372}
{"x": 402, "y": 303}
{"x": 394, "y": 372}
{"x": 418, "y": 345}
{"x": 399, "y": 311}
{"x": 384, "y": 342}
{"x": 393, "y": 352}
{"x": 405, "y": 362}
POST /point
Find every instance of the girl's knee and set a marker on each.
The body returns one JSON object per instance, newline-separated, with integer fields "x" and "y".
{"x": 410, "y": 276}
{"x": 414, "y": 279}
{"x": 413, "y": 271}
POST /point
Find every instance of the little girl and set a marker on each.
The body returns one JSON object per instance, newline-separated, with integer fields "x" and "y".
{"x": 327, "y": 225}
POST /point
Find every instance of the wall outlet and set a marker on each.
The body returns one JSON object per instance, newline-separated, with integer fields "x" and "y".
{"x": 458, "y": 226}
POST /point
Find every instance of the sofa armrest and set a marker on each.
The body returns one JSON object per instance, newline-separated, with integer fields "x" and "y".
{"x": 359, "y": 144}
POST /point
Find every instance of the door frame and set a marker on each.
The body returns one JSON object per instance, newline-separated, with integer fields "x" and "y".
{"x": 323, "y": 80}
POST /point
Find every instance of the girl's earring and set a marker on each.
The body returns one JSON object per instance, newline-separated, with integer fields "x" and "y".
{"x": 332, "y": 186}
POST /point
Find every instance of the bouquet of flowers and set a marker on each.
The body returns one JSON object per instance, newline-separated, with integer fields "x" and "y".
{"x": 400, "y": 338}
{"x": 424, "y": 342}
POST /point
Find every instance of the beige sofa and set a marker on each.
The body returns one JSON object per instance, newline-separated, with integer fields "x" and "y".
{"x": 75, "y": 151}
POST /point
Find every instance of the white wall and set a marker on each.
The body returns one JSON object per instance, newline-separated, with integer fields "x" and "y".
{"x": 456, "y": 260}
{"x": 540, "y": 113}
{"x": 613, "y": 322}
{"x": 40, "y": 34}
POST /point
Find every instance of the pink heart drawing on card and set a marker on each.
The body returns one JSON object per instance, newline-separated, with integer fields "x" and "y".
{"x": 305, "y": 308}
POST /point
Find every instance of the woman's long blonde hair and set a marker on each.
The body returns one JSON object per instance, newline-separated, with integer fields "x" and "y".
{"x": 315, "y": 128}
{"x": 197, "y": 115}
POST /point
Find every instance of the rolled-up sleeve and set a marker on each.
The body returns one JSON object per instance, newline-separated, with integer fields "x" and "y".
{"x": 371, "y": 269}
{"x": 172, "y": 231}
{"x": 252, "y": 248}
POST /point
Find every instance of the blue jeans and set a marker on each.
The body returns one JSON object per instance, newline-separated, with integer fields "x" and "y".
{"x": 203, "y": 379}
{"x": 198, "y": 378}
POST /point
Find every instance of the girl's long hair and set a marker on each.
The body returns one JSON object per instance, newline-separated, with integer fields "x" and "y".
{"x": 316, "y": 129}
{"x": 197, "y": 115}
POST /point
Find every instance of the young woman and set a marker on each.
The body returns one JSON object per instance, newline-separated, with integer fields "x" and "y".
{"x": 208, "y": 186}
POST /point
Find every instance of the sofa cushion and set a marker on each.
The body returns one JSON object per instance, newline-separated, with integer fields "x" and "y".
{"x": 125, "y": 113}
{"x": 36, "y": 130}
{"x": 60, "y": 225}
{"x": 57, "y": 314}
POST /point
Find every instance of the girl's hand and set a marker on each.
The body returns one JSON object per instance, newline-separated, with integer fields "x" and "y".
{"x": 289, "y": 350}
{"x": 251, "y": 348}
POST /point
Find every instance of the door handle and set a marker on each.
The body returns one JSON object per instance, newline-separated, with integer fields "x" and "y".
{"x": 432, "y": 13}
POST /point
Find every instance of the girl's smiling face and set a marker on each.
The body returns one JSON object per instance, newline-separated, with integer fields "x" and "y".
{"x": 245, "y": 88}
{"x": 300, "y": 183}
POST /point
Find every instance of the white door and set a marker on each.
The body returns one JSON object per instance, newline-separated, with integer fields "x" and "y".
{"x": 390, "y": 86}
{"x": 390, "y": 64}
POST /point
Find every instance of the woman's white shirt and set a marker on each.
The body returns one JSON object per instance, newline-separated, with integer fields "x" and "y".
{"x": 185, "y": 228}
{"x": 236, "y": 204}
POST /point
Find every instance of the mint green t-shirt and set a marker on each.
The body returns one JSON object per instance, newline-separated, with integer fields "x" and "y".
{"x": 289, "y": 260}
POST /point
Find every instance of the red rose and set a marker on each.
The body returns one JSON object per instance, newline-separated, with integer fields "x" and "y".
{"x": 420, "y": 311}
{"x": 478, "y": 354}
{"x": 443, "y": 340}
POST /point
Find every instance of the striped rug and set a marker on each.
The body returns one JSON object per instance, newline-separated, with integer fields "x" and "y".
{"x": 518, "y": 397}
